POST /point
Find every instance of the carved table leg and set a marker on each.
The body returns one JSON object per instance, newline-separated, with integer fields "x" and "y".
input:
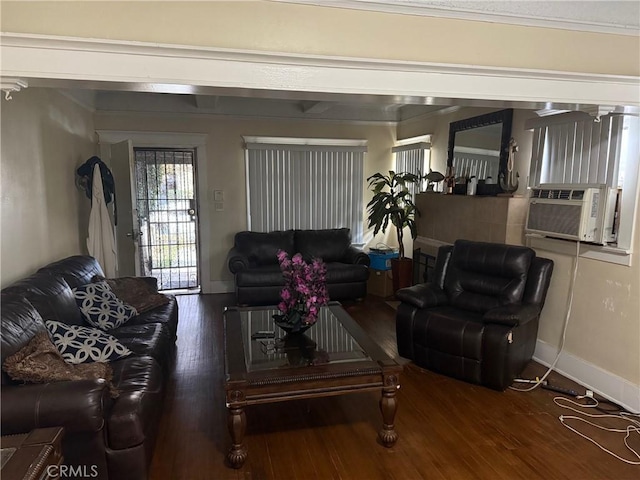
{"x": 388, "y": 407}
{"x": 237, "y": 426}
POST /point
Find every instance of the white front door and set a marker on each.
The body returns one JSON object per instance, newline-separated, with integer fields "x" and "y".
{"x": 127, "y": 226}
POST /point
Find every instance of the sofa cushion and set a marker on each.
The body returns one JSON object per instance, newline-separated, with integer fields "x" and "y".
{"x": 100, "y": 307}
{"x": 330, "y": 245}
{"x": 79, "y": 344}
{"x": 152, "y": 339}
{"x": 164, "y": 314}
{"x": 137, "y": 408}
{"x": 50, "y": 295}
{"x": 135, "y": 291}
{"x": 77, "y": 270}
{"x": 482, "y": 276}
{"x": 260, "y": 276}
{"x": 346, "y": 273}
{"x": 262, "y": 248}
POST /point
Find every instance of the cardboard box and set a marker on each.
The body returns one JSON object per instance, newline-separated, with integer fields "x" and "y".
{"x": 380, "y": 283}
{"x": 381, "y": 261}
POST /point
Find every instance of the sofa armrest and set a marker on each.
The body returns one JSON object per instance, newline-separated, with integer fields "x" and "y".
{"x": 512, "y": 315}
{"x": 78, "y": 406}
{"x": 356, "y": 256}
{"x": 237, "y": 261}
{"x": 423, "y": 295}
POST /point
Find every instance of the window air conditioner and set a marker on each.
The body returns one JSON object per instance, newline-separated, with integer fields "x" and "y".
{"x": 583, "y": 212}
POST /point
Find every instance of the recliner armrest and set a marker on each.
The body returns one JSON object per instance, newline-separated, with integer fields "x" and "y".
{"x": 77, "y": 405}
{"x": 423, "y": 295}
{"x": 512, "y": 315}
{"x": 356, "y": 256}
{"x": 237, "y": 261}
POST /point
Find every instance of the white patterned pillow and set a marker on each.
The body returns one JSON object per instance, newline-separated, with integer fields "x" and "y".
{"x": 100, "y": 307}
{"x": 79, "y": 344}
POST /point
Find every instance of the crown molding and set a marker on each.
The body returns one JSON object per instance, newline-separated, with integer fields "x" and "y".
{"x": 238, "y": 117}
{"x": 471, "y": 14}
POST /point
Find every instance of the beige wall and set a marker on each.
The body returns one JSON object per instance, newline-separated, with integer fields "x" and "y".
{"x": 225, "y": 165}
{"x": 281, "y": 27}
{"x": 45, "y": 137}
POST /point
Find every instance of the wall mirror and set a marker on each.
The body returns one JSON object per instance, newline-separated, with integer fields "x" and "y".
{"x": 478, "y": 146}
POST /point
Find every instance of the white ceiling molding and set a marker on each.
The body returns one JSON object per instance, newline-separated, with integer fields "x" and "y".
{"x": 138, "y": 66}
{"x": 613, "y": 17}
{"x": 153, "y": 139}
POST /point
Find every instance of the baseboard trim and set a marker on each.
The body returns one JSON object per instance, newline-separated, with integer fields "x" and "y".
{"x": 602, "y": 382}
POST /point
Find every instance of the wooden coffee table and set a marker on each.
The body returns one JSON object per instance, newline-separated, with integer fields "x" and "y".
{"x": 334, "y": 357}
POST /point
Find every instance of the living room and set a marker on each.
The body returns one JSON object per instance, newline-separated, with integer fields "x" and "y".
{"x": 44, "y": 215}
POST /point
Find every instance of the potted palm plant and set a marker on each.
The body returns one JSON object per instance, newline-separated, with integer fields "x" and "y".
{"x": 392, "y": 202}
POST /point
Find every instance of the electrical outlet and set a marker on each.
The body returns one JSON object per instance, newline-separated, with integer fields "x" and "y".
{"x": 589, "y": 393}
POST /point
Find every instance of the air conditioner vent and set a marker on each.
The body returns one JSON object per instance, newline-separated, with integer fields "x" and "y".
{"x": 577, "y": 195}
{"x": 564, "y": 194}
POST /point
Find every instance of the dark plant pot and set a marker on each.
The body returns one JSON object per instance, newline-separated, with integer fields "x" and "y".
{"x": 402, "y": 270}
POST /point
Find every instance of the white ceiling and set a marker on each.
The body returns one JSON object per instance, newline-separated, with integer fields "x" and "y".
{"x": 613, "y": 16}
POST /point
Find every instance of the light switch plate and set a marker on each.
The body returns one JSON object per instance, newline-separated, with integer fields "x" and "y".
{"x": 218, "y": 195}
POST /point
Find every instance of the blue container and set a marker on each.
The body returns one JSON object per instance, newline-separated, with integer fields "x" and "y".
{"x": 381, "y": 261}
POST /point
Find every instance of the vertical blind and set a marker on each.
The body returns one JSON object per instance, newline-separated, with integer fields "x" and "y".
{"x": 305, "y": 187}
{"x": 584, "y": 151}
{"x": 413, "y": 158}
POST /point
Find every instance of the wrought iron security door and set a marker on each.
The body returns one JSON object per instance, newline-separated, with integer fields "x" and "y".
{"x": 167, "y": 212}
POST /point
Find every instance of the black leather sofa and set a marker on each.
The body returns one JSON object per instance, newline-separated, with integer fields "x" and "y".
{"x": 478, "y": 319}
{"x": 112, "y": 438}
{"x": 258, "y": 279}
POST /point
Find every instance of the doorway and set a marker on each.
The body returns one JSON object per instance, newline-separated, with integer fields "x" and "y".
{"x": 166, "y": 203}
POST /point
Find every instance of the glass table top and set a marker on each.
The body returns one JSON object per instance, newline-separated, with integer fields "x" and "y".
{"x": 268, "y": 347}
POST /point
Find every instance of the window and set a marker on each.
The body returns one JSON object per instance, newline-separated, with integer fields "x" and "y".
{"x": 575, "y": 148}
{"x": 305, "y": 184}
{"x": 413, "y": 156}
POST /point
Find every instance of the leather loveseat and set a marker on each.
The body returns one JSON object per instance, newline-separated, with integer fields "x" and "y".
{"x": 258, "y": 279}
{"x": 478, "y": 319}
{"x": 110, "y": 438}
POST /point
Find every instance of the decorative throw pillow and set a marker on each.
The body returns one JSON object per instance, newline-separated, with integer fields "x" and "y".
{"x": 84, "y": 344}
{"x": 40, "y": 362}
{"x": 100, "y": 307}
{"x": 135, "y": 291}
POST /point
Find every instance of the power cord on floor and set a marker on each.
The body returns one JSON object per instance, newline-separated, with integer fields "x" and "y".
{"x": 633, "y": 427}
{"x": 542, "y": 380}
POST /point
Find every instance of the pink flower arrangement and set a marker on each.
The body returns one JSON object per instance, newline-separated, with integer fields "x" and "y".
{"x": 304, "y": 292}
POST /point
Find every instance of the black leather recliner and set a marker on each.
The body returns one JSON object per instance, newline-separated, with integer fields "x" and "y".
{"x": 478, "y": 320}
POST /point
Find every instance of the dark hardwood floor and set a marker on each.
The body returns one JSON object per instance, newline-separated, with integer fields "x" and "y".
{"x": 447, "y": 429}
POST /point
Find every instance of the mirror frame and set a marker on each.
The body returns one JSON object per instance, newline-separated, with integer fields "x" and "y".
{"x": 501, "y": 116}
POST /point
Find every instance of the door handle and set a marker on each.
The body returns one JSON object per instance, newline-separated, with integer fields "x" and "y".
{"x": 134, "y": 235}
